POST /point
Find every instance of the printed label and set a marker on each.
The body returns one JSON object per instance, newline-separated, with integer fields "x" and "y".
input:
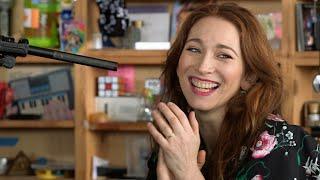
{"x": 31, "y": 18}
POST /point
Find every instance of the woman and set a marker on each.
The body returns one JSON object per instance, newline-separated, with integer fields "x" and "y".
{"x": 217, "y": 117}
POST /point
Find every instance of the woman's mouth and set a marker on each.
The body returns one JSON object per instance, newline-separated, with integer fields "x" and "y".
{"x": 203, "y": 87}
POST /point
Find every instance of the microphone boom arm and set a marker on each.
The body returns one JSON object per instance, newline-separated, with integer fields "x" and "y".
{"x": 9, "y": 50}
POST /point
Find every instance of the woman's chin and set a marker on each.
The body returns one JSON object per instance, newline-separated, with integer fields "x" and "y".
{"x": 201, "y": 106}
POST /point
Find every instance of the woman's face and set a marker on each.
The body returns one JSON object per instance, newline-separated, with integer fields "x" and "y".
{"x": 211, "y": 68}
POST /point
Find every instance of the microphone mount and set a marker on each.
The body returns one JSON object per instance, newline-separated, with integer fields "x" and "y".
{"x": 9, "y": 50}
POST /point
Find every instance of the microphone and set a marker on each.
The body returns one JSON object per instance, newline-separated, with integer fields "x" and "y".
{"x": 9, "y": 50}
{"x": 72, "y": 58}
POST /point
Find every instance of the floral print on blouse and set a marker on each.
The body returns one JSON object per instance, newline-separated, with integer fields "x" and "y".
{"x": 282, "y": 151}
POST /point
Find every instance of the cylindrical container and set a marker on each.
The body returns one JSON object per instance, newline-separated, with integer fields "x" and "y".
{"x": 133, "y": 34}
{"x": 3, "y": 165}
{"x": 41, "y": 22}
{"x": 313, "y": 114}
{"x": 5, "y": 12}
{"x": 313, "y": 108}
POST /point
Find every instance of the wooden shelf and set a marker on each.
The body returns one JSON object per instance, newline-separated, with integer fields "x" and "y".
{"x": 306, "y": 62}
{"x": 129, "y": 56}
{"x": 307, "y": 55}
{"x": 26, "y": 178}
{"x": 36, "y": 124}
{"x": 119, "y": 126}
{"x": 38, "y": 60}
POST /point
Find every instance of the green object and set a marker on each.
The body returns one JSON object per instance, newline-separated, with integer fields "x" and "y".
{"x": 41, "y": 22}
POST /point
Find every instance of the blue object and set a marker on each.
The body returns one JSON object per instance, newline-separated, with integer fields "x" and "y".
{"x": 66, "y": 14}
{"x": 8, "y": 141}
{"x": 41, "y": 161}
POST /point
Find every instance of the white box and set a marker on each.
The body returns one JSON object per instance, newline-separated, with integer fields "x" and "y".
{"x": 120, "y": 108}
{"x": 152, "y": 45}
{"x": 156, "y": 26}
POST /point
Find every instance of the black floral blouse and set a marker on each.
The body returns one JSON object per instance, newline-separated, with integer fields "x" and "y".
{"x": 283, "y": 151}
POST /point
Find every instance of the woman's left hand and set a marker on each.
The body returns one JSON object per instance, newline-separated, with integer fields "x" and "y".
{"x": 179, "y": 139}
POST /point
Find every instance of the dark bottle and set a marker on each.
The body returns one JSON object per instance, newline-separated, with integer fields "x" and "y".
{"x": 133, "y": 34}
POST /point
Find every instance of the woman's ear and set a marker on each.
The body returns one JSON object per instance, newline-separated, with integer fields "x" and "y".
{"x": 248, "y": 81}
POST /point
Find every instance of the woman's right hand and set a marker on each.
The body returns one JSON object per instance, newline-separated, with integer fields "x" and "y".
{"x": 163, "y": 173}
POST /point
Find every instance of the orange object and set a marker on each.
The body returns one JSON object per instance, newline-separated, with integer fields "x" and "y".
{"x": 98, "y": 117}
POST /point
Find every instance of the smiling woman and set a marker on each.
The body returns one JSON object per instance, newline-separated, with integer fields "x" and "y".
{"x": 211, "y": 59}
{"x": 217, "y": 116}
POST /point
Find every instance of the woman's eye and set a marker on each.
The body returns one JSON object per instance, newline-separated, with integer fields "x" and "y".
{"x": 195, "y": 50}
{"x": 224, "y": 56}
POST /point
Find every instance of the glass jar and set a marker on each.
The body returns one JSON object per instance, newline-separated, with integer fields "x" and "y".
{"x": 132, "y": 35}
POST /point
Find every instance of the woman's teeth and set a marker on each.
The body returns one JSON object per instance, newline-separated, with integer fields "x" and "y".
{"x": 204, "y": 84}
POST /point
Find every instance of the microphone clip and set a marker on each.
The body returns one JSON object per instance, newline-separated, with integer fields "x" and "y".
{"x": 9, "y": 50}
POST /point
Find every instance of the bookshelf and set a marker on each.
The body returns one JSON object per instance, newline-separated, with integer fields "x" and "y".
{"x": 303, "y": 67}
{"x": 52, "y": 139}
{"x": 98, "y": 138}
{"x": 292, "y": 34}
{"x": 82, "y": 140}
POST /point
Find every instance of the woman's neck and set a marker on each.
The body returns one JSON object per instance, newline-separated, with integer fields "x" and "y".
{"x": 209, "y": 125}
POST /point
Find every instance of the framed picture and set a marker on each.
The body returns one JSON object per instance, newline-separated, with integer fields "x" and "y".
{"x": 308, "y": 26}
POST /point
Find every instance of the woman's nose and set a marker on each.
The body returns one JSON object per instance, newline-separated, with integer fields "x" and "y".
{"x": 206, "y": 64}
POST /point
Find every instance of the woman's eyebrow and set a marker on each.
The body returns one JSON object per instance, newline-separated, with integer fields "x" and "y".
{"x": 194, "y": 40}
{"x": 222, "y": 46}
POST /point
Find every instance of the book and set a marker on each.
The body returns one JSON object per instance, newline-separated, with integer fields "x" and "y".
{"x": 72, "y": 36}
{"x": 272, "y": 25}
{"x": 308, "y": 26}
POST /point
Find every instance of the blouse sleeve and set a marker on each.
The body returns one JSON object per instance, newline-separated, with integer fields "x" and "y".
{"x": 308, "y": 153}
{"x": 283, "y": 152}
{"x": 152, "y": 166}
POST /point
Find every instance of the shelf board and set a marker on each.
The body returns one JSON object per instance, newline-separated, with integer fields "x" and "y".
{"x": 38, "y": 60}
{"x": 2, "y": 177}
{"x": 307, "y": 55}
{"x": 306, "y": 62}
{"x": 36, "y": 124}
{"x": 129, "y": 56}
{"x": 119, "y": 126}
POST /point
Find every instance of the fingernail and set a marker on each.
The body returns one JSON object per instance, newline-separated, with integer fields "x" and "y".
{"x": 161, "y": 104}
{"x": 154, "y": 111}
{"x": 149, "y": 124}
